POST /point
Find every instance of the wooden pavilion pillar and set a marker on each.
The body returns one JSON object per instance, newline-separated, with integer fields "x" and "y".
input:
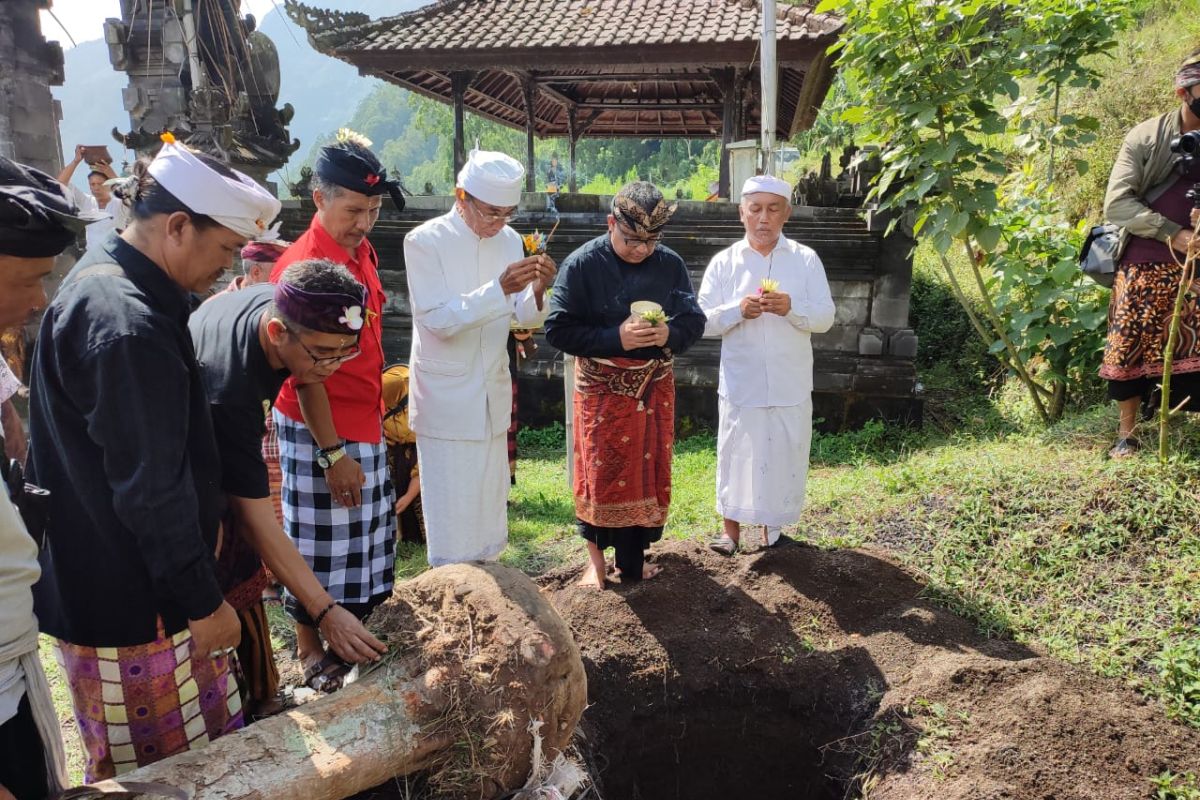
{"x": 741, "y": 80}
{"x": 572, "y": 139}
{"x": 529, "y": 90}
{"x": 459, "y": 83}
{"x": 726, "y": 83}
{"x": 576, "y": 128}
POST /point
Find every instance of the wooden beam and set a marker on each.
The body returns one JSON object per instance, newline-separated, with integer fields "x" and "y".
{"x": 529, "y": 89}
{"x": 459, "y": 81}
{"x": 725, "y": 79}
{"x": 572, "y": 139}
{"x": 635, "y": 106}
{"x": 629, "y": 58}
{"x": 625, "y": 77}
{"x": 741, "y": 79}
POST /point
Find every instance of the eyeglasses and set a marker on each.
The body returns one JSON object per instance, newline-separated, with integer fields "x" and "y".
{"x": 649, "y": 243}
{"x": 504, "y": 216}
{"x": 321, "y": 361}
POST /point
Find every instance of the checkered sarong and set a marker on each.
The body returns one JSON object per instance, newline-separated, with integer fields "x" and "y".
{"x": 350, "y": 550}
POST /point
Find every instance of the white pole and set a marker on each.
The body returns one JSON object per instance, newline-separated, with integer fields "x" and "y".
{"x": 769, "y": 69}
{"x": 199, "y": 77}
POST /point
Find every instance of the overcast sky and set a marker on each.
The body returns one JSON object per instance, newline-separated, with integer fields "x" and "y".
{"x": 84, "y": 19}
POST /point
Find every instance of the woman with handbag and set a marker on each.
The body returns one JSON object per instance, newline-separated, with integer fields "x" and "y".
{"x": 1148, "y": 198}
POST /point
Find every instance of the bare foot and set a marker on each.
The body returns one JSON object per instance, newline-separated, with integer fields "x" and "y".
{"x": 591, "y": 579}
{"x": 648, "y": 571}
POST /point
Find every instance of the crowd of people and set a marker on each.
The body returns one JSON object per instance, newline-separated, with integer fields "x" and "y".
{"x": 196, "y": 454}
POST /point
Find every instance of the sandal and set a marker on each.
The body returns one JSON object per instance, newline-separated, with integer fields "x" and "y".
{"x": 327, "y": 674}
{"x": 724, "y": 545}
{"x": 1125, "y": 448}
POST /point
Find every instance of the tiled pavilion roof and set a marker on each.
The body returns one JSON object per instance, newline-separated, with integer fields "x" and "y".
{"x": 645, "y": 68}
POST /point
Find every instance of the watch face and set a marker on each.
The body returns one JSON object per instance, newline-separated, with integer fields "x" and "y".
{"x": 323, "y": 461}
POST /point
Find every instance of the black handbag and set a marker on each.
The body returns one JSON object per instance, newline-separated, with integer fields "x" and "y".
{"x": 1100, "y": 254}
{"x": 1101, "y": 251}
{"x": 32, "y": 502}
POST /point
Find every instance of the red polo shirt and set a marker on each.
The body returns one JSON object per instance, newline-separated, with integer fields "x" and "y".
{"x": 356, "y": 389}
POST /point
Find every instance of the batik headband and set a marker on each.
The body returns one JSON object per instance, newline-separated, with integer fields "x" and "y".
{"x": 263, "y": 252}
{"x": 324, "y": 312}
{"x": 1189, "y": 74}
{"x": 634, "y": 217}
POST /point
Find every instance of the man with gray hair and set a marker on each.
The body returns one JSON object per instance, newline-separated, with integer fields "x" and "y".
{"x": 764, "y": 296}
{"x": 337, "y": 499}
{"x": 624, "y": 306}
{"x": 468, "y": 279}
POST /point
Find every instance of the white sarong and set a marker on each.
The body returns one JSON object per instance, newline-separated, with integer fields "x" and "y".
{"x": 762, "y": 462}
{"x": 464, "y": 496}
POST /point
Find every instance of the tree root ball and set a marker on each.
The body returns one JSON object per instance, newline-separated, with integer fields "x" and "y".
{"x": 476, "y": 655}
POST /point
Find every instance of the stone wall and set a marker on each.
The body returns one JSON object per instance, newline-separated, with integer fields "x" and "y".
{"x": 29, "y": 66}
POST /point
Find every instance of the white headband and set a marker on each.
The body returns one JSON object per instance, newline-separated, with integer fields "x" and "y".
{"x": 767, "y": 183}
{"x": 238, "y": 203}
{"x": 494, "y": 178}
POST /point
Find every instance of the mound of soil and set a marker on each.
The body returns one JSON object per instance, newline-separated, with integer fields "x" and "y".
{"x": 800, "y": 673}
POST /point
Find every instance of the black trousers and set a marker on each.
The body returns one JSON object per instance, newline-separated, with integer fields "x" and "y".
{"x": 630, "y": 544}
{"x": 22, "y": 759}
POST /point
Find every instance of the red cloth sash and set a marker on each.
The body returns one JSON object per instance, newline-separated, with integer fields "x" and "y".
{"x": 624, "y": 430}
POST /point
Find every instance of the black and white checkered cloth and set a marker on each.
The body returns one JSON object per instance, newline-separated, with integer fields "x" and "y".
{"x": 351, "y": 550}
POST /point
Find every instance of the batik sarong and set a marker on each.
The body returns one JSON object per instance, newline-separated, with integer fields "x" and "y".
{"x": 350, "y": 550}
{"x": 624, "y": 430}
{"x": 137, "y": 705}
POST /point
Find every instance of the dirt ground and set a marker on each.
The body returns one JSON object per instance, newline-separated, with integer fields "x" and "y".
{"x": 801, "y": 674}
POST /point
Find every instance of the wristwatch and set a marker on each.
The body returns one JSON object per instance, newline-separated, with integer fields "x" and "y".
{"x": 329, "y": 456}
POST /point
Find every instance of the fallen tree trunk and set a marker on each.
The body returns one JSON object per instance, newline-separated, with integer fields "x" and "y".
{"x": 477, "y": 655}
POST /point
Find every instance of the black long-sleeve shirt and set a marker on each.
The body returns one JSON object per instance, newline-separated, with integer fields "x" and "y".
{"x": 121, "y": 436}
{"x": 593, "y": 292}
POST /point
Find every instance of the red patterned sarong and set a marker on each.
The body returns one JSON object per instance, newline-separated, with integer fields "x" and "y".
{"x": 137, "y": 705}
{"x": 624, "y": 430}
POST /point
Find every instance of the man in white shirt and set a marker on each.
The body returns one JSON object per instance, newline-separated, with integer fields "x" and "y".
{"x": 99, "y": 197}
{"x": 764, "y": 297}
{"x": 468, "y": 279}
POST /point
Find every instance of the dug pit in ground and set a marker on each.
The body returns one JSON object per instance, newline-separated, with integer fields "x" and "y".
{"x": 801, "y": 673}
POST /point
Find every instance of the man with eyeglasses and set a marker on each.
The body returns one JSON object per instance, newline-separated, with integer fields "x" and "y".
{"x": 337, "y": 499}
{"x": 468, "y": 279}
{"x": 247, "y": 343}
{"x": 624, "y": 402}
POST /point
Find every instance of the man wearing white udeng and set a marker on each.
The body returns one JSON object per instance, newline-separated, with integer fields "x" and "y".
{"x": 764, "y": 297}
{"x": 467, "y": 279}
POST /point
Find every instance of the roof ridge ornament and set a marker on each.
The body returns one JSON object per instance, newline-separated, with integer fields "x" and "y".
{"x": 318, "y": 21}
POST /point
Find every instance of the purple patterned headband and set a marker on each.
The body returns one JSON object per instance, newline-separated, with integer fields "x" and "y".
{"x": 323, "y": 312}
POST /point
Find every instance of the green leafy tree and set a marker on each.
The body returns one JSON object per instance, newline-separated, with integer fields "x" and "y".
{"x": 948, "y": 89}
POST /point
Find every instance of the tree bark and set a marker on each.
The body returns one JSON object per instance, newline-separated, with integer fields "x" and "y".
{"x": 478, "y": 654}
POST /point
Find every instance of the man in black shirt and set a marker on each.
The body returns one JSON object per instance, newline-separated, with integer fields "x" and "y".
{"x": 38, "y": 220}
{"x": 623, "y": 305}
{"x": 248, "y": 343}
{"x": 120, "y": 435}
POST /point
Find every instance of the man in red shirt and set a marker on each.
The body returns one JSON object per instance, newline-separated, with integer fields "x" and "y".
{"x": 337, "y": 501}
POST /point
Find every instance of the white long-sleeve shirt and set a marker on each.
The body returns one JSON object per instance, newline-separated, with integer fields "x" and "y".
{"x": 766, "y": 361}
{"x": 459, "y": 367}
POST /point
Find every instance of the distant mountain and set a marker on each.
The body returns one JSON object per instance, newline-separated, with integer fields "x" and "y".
{"x": 324, "y": 91}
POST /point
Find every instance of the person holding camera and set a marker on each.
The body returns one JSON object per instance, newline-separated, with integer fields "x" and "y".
{"x": 38, "y": 220}
{"x": 100, "y": 197}
{"x": 1150, "y": 196}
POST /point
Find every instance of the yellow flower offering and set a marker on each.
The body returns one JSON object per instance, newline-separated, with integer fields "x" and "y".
{"x": 768, "y": 285}
{"x": 649, "y": 311}
{"x": 535, "y": 243}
